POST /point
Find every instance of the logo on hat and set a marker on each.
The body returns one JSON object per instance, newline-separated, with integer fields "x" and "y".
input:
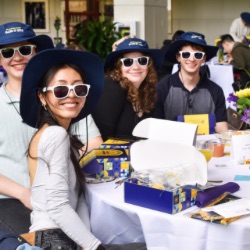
{"x": 13, "y": 29}
{"x": 135, "y": 43}
{"x": 195, "y": 36}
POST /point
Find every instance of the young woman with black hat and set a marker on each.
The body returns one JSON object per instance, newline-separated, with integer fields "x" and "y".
{"x": 59, "y": 88}
{"x": 129, "y": 93}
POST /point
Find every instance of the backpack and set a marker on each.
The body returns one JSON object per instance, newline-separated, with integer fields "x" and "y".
{"x": 10, "y": 241}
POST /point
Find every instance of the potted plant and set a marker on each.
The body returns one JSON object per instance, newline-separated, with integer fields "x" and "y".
{"x": 98, "y": 36}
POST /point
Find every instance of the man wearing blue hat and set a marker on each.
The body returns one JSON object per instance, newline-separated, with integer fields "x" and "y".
{"x": 188, "y": 91}
{"x": 240, "y": 27}
{"x": 18, "y": 44}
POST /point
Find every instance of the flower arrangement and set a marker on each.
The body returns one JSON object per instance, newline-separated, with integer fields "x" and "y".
{"x": 241, "y": 99}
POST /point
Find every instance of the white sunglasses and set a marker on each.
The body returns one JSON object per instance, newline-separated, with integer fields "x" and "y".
{"x": 198, "y": 55}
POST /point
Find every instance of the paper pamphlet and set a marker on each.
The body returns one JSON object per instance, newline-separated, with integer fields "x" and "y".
{"x": 231, "y": 209}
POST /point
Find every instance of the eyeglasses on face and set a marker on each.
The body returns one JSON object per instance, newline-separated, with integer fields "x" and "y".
{"x": 198, "y": 55}
{"x": 129, "y": 61}
{"x": 62, "y": 91}
{"x": 24, "y": 50}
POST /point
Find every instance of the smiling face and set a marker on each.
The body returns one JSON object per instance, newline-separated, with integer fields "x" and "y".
{"x": 15, "y": 66}
{"x": 67, "y": 108}
{"x": 135, "y": 73}
{"x": 190, "y": 65}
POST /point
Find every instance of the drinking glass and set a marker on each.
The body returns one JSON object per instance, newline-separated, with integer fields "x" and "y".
{"x": 206, "y": 148}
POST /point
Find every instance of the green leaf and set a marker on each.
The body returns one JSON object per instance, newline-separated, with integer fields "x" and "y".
{"x": 98, "y": 37}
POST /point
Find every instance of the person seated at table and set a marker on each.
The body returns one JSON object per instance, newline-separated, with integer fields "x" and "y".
{"x": 240, "y": 27}
{"x": 240, "y": 52}
{"x": 188, "y": 91}
{"x": 59, "y": 88}
{"x": 238, "y": 55}
{"x": 18, "y": 44}
{"x": 129, "y": 93}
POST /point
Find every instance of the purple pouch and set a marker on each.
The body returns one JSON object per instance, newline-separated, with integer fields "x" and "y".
{"x": 207, "y": 196}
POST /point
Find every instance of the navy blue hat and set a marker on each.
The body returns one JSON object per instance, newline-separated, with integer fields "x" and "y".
{"x": 245, "y": 17}
{"x": 192, "y": 38}
{"x": 15, "y": 32}
{"x": 134, "y": 45}
{"x": 37, "y": 66}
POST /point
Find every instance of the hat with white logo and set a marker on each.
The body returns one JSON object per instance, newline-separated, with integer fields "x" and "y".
{"x": 15, "y": 32}
{"x": 134, "y": 45}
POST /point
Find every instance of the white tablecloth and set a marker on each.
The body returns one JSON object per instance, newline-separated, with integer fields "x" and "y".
{"x": 114, "y": 221}
{"x": 220, "y": 74}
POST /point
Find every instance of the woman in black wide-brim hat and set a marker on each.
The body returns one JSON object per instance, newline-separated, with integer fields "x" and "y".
{"x": 59, "y": 88}
{"x": 129, "y": 93}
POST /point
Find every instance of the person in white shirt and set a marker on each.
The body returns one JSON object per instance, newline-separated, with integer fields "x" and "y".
{"x": 18, "y": 44}
{"x": 240, "y": 27}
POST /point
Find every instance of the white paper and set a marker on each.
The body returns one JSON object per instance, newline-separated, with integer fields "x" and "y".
{"x": 166, "y": 131}
{"x": 240, "y": 149}
{"x": 231, "y": 209}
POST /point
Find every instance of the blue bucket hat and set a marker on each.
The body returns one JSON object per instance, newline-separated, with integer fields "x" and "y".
{"x": 192, "y": 38}
{"x": 245, "y": 17}
{"x": 15, "y": 32}
{"x": 37, "y": 66}
{"x": 134, "y": 45}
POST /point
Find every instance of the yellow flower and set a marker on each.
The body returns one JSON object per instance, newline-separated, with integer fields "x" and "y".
{"x": 243, "y": 93}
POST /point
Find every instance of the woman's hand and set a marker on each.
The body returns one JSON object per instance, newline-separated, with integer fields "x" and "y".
{"x": 115, "y": 44}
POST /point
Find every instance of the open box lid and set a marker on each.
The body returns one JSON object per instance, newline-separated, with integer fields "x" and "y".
{"x": 169, "y": 144}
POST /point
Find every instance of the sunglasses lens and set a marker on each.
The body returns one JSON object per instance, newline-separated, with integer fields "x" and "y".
{"x": 198, "y": 55}
{"x": 81, "y": 90}
{"x": 7, "y": 53}
{"x": 186, "y": 55}
{"x": 127, "y": 62}
{"x": 25, "y": 50}
{"x": 143, "y": 61}
{"x": 61, "y": 91}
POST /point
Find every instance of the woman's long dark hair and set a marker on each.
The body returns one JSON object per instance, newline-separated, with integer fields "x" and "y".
{"x": 46, "y": 117}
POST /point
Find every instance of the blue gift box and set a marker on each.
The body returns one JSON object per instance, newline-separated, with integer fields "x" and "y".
{"x": 170, "y": 202}
{"x": 106, "y": 163}
{"x": 117, "y": 143}
{"x": 167, "y": 152}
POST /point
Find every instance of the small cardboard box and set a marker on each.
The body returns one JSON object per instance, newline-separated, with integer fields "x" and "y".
{"x": 117, "y": 143}
{"x": 160, "y": 200}
{"x": 106, "y": 163}
{"x": 169, "y": 144}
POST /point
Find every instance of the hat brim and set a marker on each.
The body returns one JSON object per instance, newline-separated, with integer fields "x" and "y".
{"x": 176, "y": 45}
{"x": 41, "y": 62}
{"x": 42, "y": 41}
{"x": 155, "y": 54}
{"x": 245, "y": 17}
